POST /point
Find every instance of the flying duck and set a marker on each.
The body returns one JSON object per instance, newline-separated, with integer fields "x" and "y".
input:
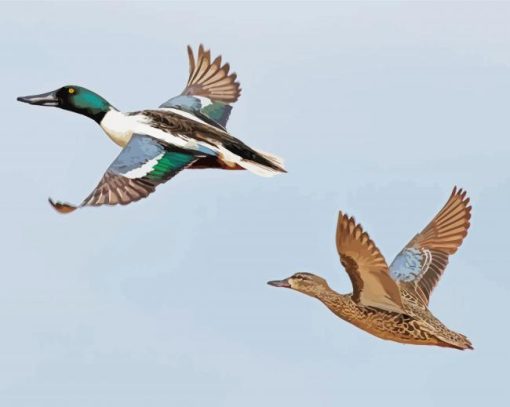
{"x": 392, "y": 302}
{"x": 187, "y": 131}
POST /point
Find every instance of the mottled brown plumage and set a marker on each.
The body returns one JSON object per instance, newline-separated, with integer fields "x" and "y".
{"x": 391, "y": 302}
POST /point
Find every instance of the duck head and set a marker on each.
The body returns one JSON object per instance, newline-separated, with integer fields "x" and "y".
{"x": 74, "y": 98}
{"x": 306, "y": 283}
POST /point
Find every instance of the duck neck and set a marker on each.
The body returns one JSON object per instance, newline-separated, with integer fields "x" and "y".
{"x": 91, "y": 105}
{"x": 334, "y": 301}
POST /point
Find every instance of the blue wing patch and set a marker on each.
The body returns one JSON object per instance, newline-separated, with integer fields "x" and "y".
{"x": 140, "y": 149}
{"x": 140, "y": 167}
{"x": 187, "y": 103}
{"x": 408, "y": 265}
{"x": 215, "y": 113}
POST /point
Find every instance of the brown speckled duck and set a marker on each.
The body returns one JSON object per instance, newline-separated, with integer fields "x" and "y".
{"x": 392, "y": 302}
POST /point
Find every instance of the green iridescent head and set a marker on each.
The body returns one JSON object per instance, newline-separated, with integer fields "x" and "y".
{"x": 74, "y": 98}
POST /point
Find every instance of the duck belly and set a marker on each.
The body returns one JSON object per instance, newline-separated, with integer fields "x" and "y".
{"x": 406, "y": 329}
{"x": 214, "y": 162}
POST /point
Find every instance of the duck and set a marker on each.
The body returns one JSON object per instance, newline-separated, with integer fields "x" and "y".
{"x": 187, "y": 131}
{"x": 391, "y": 302}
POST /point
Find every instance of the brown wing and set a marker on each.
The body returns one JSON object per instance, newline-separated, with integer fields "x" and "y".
{"x": 140, "y": 167}
{"x": 113, "y": 189}
{"x": 211, "y": 79}
{"x": 366, "y": 267}
{"x": 420, "y": 265}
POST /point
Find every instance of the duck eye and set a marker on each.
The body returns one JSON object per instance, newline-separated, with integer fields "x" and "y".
{"x": 71, "y": 90}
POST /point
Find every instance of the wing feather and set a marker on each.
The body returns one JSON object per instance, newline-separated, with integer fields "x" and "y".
{"x": 366, "y": 267}
{"x": 140, "y": 167}
{"x": 420, "y": 265}
{"x": 211, "y": 79}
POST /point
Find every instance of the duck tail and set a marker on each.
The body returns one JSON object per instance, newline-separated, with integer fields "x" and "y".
{"x": 256, "y": 161}
{"x": 465, "y": 344}
{"x": 458, "y": 341}
{"x": 276, "y": 164}
{"x": 266, "y": 165}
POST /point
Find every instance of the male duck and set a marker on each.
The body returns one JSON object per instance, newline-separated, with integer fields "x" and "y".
{"x": 392, "y": 302}
{"x": 187, "y": 131}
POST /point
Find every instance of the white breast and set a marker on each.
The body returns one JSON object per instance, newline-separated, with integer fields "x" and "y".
{"x": 118, "y": 126}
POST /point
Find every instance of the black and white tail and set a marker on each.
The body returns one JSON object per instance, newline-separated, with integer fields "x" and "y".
{"x": 255, "y": 161}
{"x": 267, "y": 166}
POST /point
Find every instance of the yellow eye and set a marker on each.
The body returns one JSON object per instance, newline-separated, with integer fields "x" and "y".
{"x": 71, "y": 90}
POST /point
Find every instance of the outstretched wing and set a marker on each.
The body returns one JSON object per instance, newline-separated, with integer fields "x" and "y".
{"x": 211, "y": 79}
{"x": 136, "y": 172}
{"x": 366, "y": 267}
{"x": 210, "y": 88}
{"x": 420, "y": 265}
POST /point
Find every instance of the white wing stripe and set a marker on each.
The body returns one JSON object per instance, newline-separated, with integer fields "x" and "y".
{"x": 144, "y": 169}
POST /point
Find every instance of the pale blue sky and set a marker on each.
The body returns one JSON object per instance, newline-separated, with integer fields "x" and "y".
{"x": 378, "y": 109}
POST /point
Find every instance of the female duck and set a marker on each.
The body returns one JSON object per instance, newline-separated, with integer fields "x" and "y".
{"x": 392, "y": 302}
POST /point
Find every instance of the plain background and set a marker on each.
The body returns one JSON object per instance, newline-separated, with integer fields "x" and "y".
{"x": 379, "y": 109}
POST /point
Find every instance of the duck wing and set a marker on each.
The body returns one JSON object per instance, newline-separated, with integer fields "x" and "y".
{"x": 420, "y": 265}
{"x": 212, "y": 141}
{"x": 136, "y": 172}
{"x": 366, "y": 267}
{"x": 210, "y": 89}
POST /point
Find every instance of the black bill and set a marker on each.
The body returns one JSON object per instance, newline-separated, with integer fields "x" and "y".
{"x": 44, "y": 99}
